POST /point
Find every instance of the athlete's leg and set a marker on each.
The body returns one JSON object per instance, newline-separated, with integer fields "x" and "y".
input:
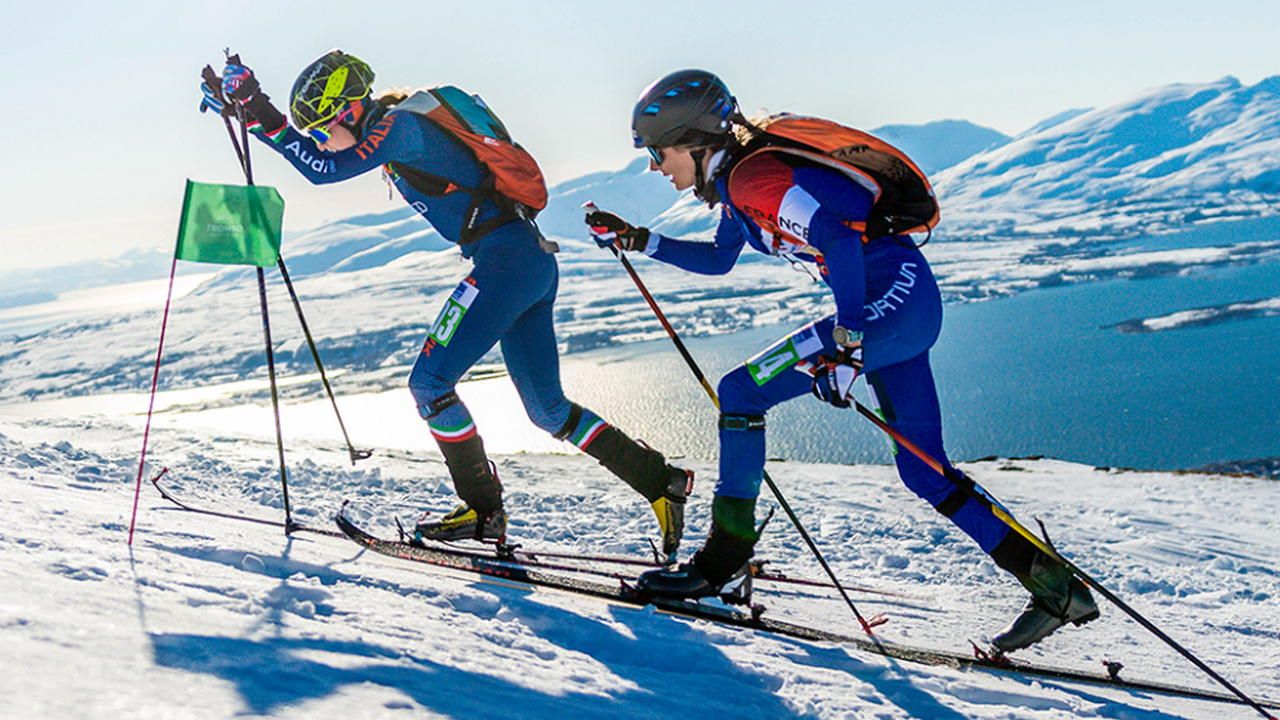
{"x": 476, "y": 315}
{"x": 904, "y": 315}
{"x": 529, "y": 348}
{"x": 908, "y": 399}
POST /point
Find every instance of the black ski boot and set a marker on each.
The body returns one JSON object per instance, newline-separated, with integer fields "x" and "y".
{"x": 721, "y": 567}
{"x": 687, "y": 582}
{"x": 1057, "y": 597}
{"x": 463, "y": 523}
{"x": 475, "y": 479}
{"x": 646, "y": 470}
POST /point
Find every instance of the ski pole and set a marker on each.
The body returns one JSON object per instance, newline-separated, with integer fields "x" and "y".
{"x": 352, "y": 452}
{"x": 972, "y": 489}
{"x": 151, "y": 404}
{"x": 866, "y": 624}
{"x": 246, "y": 164}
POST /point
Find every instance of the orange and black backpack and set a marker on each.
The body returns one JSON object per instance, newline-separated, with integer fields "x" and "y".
{"x": 904, "y": 199}
{"x": 513, "y": 179}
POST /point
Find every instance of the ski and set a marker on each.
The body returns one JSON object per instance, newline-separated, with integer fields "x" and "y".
{"x": 512, "y": 570}
{"x": 185, "y": 507}
{"x": 537, "y": 558}
{"x": 758, "y": 571}
{"x": 531, "y": 558}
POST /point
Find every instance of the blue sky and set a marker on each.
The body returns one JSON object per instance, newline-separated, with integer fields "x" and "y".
{"x": 103, "y": 129}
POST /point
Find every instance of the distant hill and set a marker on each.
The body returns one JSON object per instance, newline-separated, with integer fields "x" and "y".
{"x": 938, "y": 145}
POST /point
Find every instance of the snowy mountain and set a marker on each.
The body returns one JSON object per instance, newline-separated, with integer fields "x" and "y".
{"x": 1047, "y": 205}
{"x": 938, "y": 145}
{"x": 1170, "y": 156}
{"x": 26, "y": 287}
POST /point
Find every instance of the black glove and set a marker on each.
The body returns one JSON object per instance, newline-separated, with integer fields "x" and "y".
{"x": 240, "y": 84}
{"x": 238, "y": 81}
{"x": 607, "y": 229}
{"x": 833, "y": 378}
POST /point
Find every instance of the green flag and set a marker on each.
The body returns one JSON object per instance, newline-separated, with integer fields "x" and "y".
{"x": 230, "y": 224}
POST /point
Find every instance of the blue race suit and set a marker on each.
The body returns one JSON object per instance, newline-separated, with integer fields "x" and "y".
{"x": 884, "y": 289}
{"x": 507, "y": 298}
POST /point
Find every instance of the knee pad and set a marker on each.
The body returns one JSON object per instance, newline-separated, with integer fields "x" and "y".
{"x": 431, "y": 405}
{"x": 742, "y": 423}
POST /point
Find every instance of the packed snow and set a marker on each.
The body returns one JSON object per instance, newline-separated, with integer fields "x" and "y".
{"x": 210, "y": 617}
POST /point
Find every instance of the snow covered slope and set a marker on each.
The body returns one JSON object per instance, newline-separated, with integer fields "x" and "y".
{"x": 211, "y": 618}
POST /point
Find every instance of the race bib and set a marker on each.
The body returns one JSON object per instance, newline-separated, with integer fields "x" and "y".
{"x": 785, "y": 353}
{"x": 455, "y": 308}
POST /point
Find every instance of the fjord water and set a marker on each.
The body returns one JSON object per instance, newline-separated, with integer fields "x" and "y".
{"x": 1043, "y": 373}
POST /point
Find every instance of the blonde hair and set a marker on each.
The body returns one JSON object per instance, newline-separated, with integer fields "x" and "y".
{"x": 393, "y": 96}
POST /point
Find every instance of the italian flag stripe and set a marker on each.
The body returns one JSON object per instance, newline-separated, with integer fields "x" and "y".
{"x": 462, "y": 432}
{"x": 584, "y": 438}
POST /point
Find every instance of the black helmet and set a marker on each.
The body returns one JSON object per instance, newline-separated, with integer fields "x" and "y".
{"x": 326, "y": 86}
{"x": 687, "y": 107}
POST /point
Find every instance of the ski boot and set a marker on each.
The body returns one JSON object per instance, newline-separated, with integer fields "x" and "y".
{"x": 463, "y": 523}
{"x": 687, "y": 582}
{"x": 721, "y": 568}
{"x": 670, "y": 511}
{"x": 1057, "y": 597}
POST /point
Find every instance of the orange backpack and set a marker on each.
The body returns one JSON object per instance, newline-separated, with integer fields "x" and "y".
{"x": 904, "y": 199}
{"x": 513, "y": 178}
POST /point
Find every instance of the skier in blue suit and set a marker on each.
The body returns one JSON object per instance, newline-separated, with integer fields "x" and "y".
{"x": 888, "y": 315}
{"x": 508, "y": 297}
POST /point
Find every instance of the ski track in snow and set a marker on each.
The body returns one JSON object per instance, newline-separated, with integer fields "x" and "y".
{"x": 212, "y": 618}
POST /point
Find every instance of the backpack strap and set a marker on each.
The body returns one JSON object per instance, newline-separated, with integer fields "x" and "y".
{"x": 431, "y": 185}
{"x": 904, "y": 201}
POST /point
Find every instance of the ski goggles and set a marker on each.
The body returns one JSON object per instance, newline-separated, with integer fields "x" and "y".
{"x": 323, "y": 132}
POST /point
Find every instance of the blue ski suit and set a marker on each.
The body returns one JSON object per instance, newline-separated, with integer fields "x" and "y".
{"x": 883, "y": 288}
{"x": 507, "y": 298}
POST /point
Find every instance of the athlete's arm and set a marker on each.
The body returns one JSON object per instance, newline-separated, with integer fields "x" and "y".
{"x": 392, "y": 138}
{"x": 706, "y": 258}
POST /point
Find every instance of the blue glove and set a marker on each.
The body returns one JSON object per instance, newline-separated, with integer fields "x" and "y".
{"x": 609, "y": 230}
{"x": 833, "y": 378}
{"x": 211, "y": 89}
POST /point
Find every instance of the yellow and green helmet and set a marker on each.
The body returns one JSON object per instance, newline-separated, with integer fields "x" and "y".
{"x": 326, "y": 86}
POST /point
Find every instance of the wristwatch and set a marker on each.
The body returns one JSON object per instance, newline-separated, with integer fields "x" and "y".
{"x": 845, "y": 337}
